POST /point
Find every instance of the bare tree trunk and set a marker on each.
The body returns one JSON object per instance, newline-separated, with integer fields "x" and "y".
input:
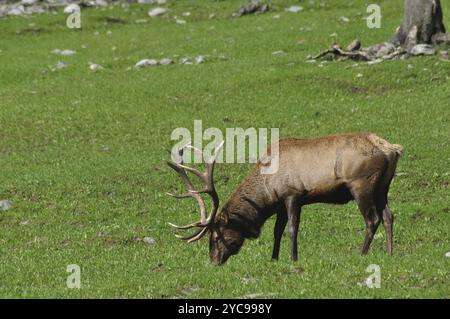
{"x": 422, "y": 21}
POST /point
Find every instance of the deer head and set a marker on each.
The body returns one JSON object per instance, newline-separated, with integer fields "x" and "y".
{"x": 224, "y": 241}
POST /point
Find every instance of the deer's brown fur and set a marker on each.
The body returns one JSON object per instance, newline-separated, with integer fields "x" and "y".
{"x": 332, "y": 169}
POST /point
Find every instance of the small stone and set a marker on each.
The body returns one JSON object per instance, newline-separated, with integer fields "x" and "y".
{"x": 146, "y": 63}
{"x": 60, "y": 65}
{"x": 344, "y": 19}
{"x": 64, "y": 52}
{"x": 71, "y": 8}
{"x": 294, "y": 9}
{"x": 165, "y": 61}
{"x": 185, "y": 61}
{"x": 254, "y": 7}
{"x": 359, "y": 75}
{"x": 157, "y": 12}
{"x": 180, "y": 21}
{"x": 5, "y": 204}
{"x": 149, "y": 240}
{"x": 447, "y": 254}
{"x": 200, "y": 59}
{"x": 24, "y": 222}
{"x": 17, "y": 11}
{"x": 186, "y": 14}
{"x": 278, "y": 52}
{"x": 375, "y": 61}
{"x": 95, "y": 67}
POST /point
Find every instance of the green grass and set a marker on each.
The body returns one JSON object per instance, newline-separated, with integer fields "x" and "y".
{"x": 82, "y": 153}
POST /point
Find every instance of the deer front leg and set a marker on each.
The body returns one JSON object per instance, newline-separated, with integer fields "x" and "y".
{"x": 293, "y": 214}
{"x": 280, "y": 225}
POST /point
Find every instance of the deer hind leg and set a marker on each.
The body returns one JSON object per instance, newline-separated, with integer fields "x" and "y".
{"x": 385, "y": 215}
{"x": 364, "y": 197}
{"x": 388, "y": 221}
{"x": 280, "y": 225}
{"x": 293, "y": 214}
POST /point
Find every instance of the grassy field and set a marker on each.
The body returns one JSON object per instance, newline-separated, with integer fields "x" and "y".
{"x": 82, "y": 153}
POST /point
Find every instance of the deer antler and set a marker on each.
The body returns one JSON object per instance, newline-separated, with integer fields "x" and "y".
{"x": 208, "y": 180}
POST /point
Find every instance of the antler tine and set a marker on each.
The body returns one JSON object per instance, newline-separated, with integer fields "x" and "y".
{"x": 196, "y": 224}
{"x": 207, "y": 179}
{"x": 194, "y": 236}
{"x": 180, "y": 170}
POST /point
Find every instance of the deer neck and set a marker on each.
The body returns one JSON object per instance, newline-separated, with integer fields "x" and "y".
{"x": 248, "y": 207}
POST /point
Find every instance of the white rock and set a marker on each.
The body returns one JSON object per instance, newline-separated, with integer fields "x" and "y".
{"x": 149, "y": 240}
{"x": 101, "y": 3}
{"x": 165, "y": 61}
{"x": 375, "y": 61}
{"x": 28, "y": 2}
{"x": 72, "y": 8}
{"x": 95, "y": 67}
{"x": 157, "y": 11}
{"x": 17, "y": 11}
{"x": 200, "y": 59}
{"x": 344, "y": 19}
{"x": 359, "y": 75}
{"x": 294, "y": 9}
{"x": 180, "y": 21}
{"x": 278, "y": 52}
{"x": 60, "y": 65}
{"x": 447, "y": 254}
{"x": 186, "y": 14}
{"x": 5, "y": 204}
{"x": 67, "y": 52}
{"x": 185, "y": 61}
{"x": 145, "y": 63}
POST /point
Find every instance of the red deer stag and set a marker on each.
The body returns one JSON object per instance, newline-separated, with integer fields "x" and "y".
{"x": 331, "y": 169}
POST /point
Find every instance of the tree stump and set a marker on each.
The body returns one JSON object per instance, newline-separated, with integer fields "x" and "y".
{"x": 421, "y": 28}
